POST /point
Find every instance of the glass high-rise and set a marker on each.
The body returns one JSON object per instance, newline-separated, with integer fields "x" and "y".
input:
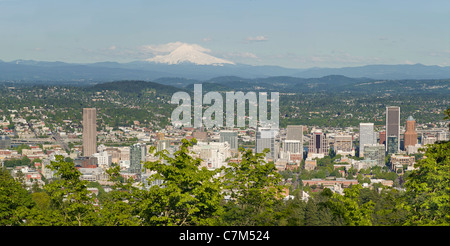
{"x": 392, "y": 146}
{"x": 137, "y": 156}
{"x": 375, "y": 152}
{"x": 231, "y": 137}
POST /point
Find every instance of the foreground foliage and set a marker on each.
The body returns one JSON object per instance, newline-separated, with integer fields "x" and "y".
{"x": 244, "y": 193}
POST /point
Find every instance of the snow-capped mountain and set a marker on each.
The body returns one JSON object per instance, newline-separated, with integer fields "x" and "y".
{"x": 191, "y": 54}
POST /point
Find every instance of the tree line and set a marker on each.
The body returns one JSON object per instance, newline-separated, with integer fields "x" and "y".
{"x": 248, "y": 193}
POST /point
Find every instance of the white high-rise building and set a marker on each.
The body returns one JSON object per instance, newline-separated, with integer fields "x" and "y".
{"x": 213, "y": 154}
{"x": 292, "y": 146}
{"x": 103, "y": 158}
{"x": 367, "y": 136}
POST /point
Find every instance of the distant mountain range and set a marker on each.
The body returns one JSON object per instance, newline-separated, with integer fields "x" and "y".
{"x": 28, "y": 70}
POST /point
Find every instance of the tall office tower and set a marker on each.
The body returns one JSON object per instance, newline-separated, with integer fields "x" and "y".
{"x": 89, "y": 131}
{"x": 343, "y": 145}
{"x": 366, "y": 136}
{"x": 137, "y": 155}
{"x": 294, "y": 132}
{"x": 393, "y": 126}
{"x": 231, "y": 137}
{"x": 265, "y": 139}
{"x": 318, "y": 145}
{"x": 410, "y": 133}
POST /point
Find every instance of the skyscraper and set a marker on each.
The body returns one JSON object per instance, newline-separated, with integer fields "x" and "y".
{"x": 294, "y": 132}
{"x": 367, "y": 136}
{"x": 265, "y": 139}
{"x": 231, "y": 137}
{"x": 410, "y": 133}
{"x": 292, "y": 146}
{"x": 89, "y": 131}
{"x": 393, "y": 126}
{"x": 318, "y": 145}
{"x": 137, "y": 155}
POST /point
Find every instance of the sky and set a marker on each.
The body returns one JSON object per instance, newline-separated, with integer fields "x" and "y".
{"x": 294, "y": 34}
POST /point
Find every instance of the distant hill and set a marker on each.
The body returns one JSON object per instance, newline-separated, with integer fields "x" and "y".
{"x": 207, "y": 86}
{"x": 130, "y": 86}
{"x": 416, "y": 71}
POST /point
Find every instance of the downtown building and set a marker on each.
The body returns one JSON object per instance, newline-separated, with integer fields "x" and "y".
{"x": 231, "y": 137}
{"x": 293, "y": 144}
{"x": 318, "y": 145}
{"x": 138, "y": 154}
{"x": 343, "y": 145}
{"x": 367, "y": 136}
{"x": 410, "y": 133}
{"x": 294, "y": 132}
{"x": 265, "y": 139}
{"x": 392, "y": 129}
{"x": 375, "y": 152}
{"x": 89, "y": 131}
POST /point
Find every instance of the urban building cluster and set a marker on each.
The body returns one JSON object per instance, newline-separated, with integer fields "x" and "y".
{"x": 290, "y": 148}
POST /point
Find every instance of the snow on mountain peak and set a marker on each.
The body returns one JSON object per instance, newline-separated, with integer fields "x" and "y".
{"x": 189, "y": 53}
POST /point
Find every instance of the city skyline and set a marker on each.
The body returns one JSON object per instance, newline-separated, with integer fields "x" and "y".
{"x": 294, "y": 34}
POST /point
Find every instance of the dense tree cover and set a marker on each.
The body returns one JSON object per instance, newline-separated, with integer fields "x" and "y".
{"x": 254, "y": 190}
{"x": 189, "y": 195}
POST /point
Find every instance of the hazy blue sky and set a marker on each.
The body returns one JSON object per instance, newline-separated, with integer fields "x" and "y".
{"x": 297, "y": 34}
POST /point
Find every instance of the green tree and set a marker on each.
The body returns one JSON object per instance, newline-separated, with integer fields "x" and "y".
{"x": 347, "y": 207}
{"x": 14, "y": 200}
{"x": 189, "y": 195}
{"x": 254, "y": 189}
{"x": 69, "y": 195}
{"x": 428, "y": 188}
{"x": 120, "y": 206}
